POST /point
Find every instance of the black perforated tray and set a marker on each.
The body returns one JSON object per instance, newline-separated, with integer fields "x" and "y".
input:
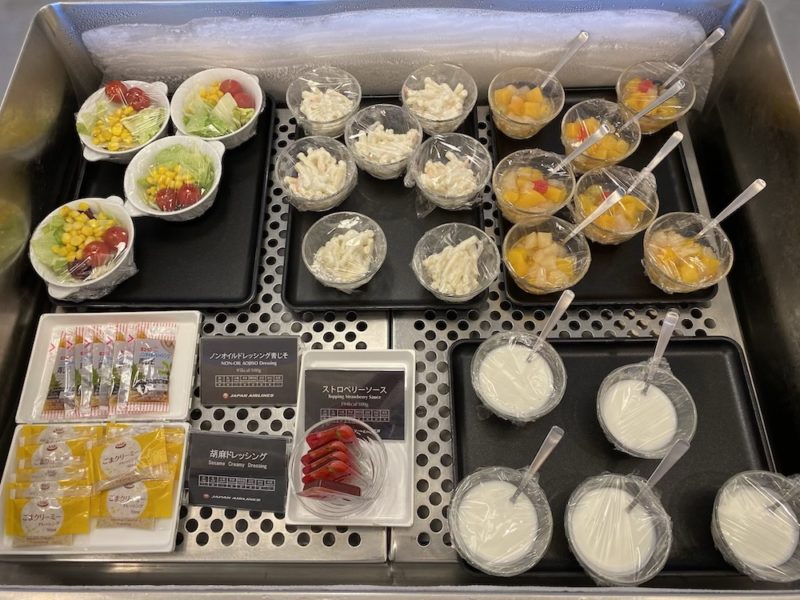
{"x": 211, "y": 261}
{"x": 730, "y": 438}
{"x": 393, "y": 206}
{"x": 616, "y": 275}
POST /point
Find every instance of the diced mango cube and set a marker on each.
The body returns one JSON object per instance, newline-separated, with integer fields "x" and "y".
{"x": 518, "y": 260}
{"x": 534, "y": 95}
{"x": 503, "y": 96}
{"x": 531, "y": 199}
{"x": 516, "y": 105}
{"x": 555, "y": 194}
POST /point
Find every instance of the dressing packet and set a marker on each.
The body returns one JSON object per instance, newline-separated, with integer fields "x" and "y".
{"x": 122, "y": 366}
{"x": 82, "y": 356}
{"x": 128, "y": 458}
{"x": 103, "y": 337}
{"x": 136, "y": 505}
{"x": 48, "y": 520}
{"x": 153, "y": 349}
{"x": 65, "y": 452}
{"x": 78, "y": 471}
{"x": 60, "y": 397}
{"x": 48, "y": 434}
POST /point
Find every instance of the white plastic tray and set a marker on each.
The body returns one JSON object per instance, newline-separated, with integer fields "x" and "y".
{"x": 181, "y": 377}
{"x": 113, "y": 540}
{"x": 395, "y": 507}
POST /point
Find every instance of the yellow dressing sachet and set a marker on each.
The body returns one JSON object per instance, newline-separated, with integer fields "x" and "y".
{"x": 65, "y": 452}
{"x": 48, "y": 521}
{"x": 54, "y": 473}
{"x": 135, "y": 505}
{"x": 48, "y": 434}
{"x": 130, "y": 457}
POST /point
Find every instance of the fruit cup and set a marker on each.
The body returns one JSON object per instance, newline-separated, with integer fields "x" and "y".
{"x": 641, "y": 83}
{"x": 521, "y": 103}
{"x": 583, "y": 119}
{"x": 632, "y": 214}
{"x": 676, "y": 260}
{"x": 322, "y": 99}
{"x": 525, "y": 187}
{"x": 539, "y": 257}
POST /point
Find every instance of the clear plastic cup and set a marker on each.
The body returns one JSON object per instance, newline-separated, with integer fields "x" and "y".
{"x": 643, "y": 423}
{"x": 510, "y": 386}
{"x": 640, "y": 84}
{"x": 583, "y": 119}
{"x": 535, "y": 107}
{"x": 318, "y": 199}
{"x": 450, "y": 189}
{"x": 498, "y": 538}
{"x": 382, "y": 154}
{"x": 315, "y": 99}
{"x": 532, "y": 269}
{"x": 370, "y": 463}
{"x": 450, "y": 235}
{"x": 617, "y": 547}
{"x": 439, "y": 110}
{"x": 631, "y": 215}
{"x": 346, "y": 274}
{"x": 676, "y": 262}
{"x": 525, "y": 187}
{"x": 755, "y": 525}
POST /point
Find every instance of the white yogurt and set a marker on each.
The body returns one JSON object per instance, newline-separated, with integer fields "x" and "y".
{"x": 512, "y": 385}
{"x": 608, "y": 539}
{"x": 494, "y": 530}
{"x": 642, "y": 422}
{"x": 758, "y": 536}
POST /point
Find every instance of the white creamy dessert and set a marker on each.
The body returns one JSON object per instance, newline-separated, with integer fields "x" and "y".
{"x": 319, "y": 175}
{"x": 325, "y": 106}
{"x": 451, "y": 179}
{"x": 492, "y": 528}
{"x": 512, "y": 385}
{"x": 346, "y": 257}
{"x": 759, "y": 529}
{"x": 607, "y": 538}
{"x": 454, "y": 270}
{"x": 436, "y": 101}
{"x": 383, "y": 146}
{"x": 642, "y": 422}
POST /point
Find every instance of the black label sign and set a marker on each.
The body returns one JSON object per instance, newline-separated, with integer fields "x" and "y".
{"x": 239, "y": 471}
{"x": 248, "y": 371}
{"x": 376, "y": 397}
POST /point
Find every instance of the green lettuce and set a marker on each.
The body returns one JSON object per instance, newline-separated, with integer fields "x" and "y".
{"x": 49, "y": 236}
{"x": 145, "y": 124}
{"x": 193, "y": 162}
{"x": 225, "y": 117}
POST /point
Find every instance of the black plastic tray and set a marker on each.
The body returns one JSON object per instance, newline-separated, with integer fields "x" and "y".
{"x": 730, "y": 438}
{"x": 211, "y": 261}
{"x": 616, "y": 275}
{"x": 393, "y": 206}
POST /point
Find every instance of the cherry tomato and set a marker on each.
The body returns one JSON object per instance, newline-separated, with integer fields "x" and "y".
{"x": 114, "y": 236}
{"x": 230, "y": 86}
{"x": 244, "y": 100}
{"x": 167, "y": 199}
{"x": 115, "y": 91}
{"x": 97, "y": 253}
{"x": 188, "y": 194}
{"x": 136, "y": 98}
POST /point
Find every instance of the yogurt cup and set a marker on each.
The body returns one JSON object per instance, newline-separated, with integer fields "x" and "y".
{"x": 521, "y": 106}
{"x": 493, "y": 534}
{"x": 510, "y": 386}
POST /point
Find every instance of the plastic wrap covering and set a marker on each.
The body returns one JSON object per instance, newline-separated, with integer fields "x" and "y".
{"x": 218, "y": 104}
{"x": 317, "y": 172}
{"x": 440, "y": 96}
{"x": 540, "y": 259}
{"x": 456, "y": 262}
{"x": 381, "y": 47}
{"x": 83, "y": 249}
{"x": 526, "y": 184}
{"x": 122, "y": 117}
{"x": 175, "y": 178}
{"x": 510, "y": 385}
{"x": 382, "y": 139}
{"x": 583, "y": 119}
{"x": 643, "y": 413}
{"x": 338, "y": 468}
{"x": 450, "y": 171}
{"x": 523, "y": 100}
{"x": 492, "y": 533}
{"x": 677, "y": 260}
{"x": 631, "y": 214}
{"x": 755, "y": 525}
{"x": 616, "y": 543}
{"x": 322, "y": 99}
{"x": 642, "y": 83}
{"x": 344, "y": 250}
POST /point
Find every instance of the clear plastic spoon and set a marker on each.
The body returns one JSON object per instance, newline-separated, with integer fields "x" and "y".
{"x": 750, "y": 191}
{"x": 567, "y": 296}
{"x": 665, "y": 95}
{"x": 675, "y": 453}
{"x": 610, "y": 201}
{"x": 585, "y": 145}
{"x": 670, "y": 321}
{"x": 672, "y": 143}
{"x": 712, "y": 39}
{"x": 547, "y": 447}
{"x": 573, "y": 47}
